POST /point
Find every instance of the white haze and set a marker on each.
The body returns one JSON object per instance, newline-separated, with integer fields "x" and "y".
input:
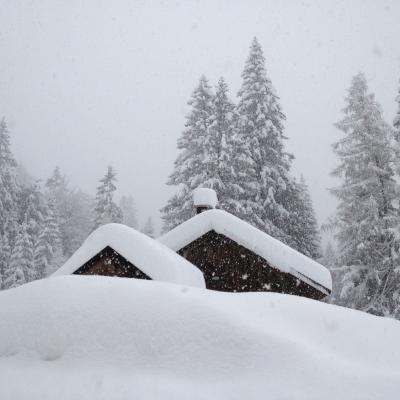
{"x": 87, "y": 85}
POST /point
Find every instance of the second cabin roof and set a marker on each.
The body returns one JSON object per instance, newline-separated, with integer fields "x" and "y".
{"x": 276, "y": 253}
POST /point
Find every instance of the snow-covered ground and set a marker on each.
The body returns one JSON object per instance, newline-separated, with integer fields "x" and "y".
{"x": 86, "y": 337}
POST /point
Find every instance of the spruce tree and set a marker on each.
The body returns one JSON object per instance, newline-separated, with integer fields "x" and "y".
{"x": 330, "y": 260}
{"x": 193, "y": 165}
{"x": 5, "y": 254}
{"x": 58, "y": 199}
{"x": 396, "y": 124}
{"x": 32, "y": 210}
{"x": 366, "y": 221}
{"x": 267, "y": 164}
{"x": 57, "y": 183}
{"x": 9, "y": 187}
{"x": 211, "y": 155}
{"x": 79, "y": 222}
{"x": 21, "y": 267}
{"x": 106, "y": 211}
{"x": 148, "y": 228}
{"x": 224, "y": 152}
{"x": 128, "y": 209}
{"x": 24, "y": 178}
{"x": 48, "y": 251}
{"x": 396, "y": 121}
{"x": 306, "y": 235}
{"x": 73, "y": 210}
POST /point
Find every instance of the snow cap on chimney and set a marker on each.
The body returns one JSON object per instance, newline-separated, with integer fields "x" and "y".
{"x": 204, "y": 199}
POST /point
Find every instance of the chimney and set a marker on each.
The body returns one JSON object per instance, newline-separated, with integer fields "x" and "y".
{"x": 204, "y": 199}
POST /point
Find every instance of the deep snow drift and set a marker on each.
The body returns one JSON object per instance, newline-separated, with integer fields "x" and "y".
{"x": 88, "y": 337}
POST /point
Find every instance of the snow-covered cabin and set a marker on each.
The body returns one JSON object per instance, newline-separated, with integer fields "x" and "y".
{"x": 234, "y": 256}
{"x": 118, "y": 250}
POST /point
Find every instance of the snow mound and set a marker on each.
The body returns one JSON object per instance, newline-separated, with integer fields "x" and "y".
{"x": 88, "y": 337}
{"x": 205, "y": 197}
{"x": 277, "y": 254}
{"x": 154, "y": 259}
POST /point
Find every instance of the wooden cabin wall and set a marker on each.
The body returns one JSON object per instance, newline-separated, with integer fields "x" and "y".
{"x": 227, "y": 266}
{"x": 110, "y": 263}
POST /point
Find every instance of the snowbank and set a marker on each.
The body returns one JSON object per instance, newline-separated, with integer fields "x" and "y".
{"x": 151, "y": 257}
{"x": 205, "y": 197}
{"x": 275, "y": 252}
{"x": 87, "y": 337}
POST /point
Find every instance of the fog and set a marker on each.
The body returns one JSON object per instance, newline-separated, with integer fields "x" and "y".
{"x": 83, "y": 86}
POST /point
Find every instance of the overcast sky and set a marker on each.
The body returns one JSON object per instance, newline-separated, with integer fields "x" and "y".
{"x": 88, "y": 84}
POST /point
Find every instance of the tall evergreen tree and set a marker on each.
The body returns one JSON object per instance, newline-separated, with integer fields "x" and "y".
{"x": 261, "y": 129}
{"x": 106, "y": 211}
{"x": 21, "y": 267}
{"x": 57, "y": 183}
{"x": 193, "y": 165}
{"x": 5, "y": 254}
{"x": 79, "y": 221}
{"x": 224, "y": 152}
{"x": 9, "y": 187}
{"x": 148, "y": 228}
{"x": 24, "y": 178}
{"x": 32, "y": 210}
{"x": 48, "y": 251}
{"x": 366, "y": 220}
{"x": 396, "y": 124}
{"x": 303, "y": 227}
{"x": 396, "y": 121}
{"x": 128, "y": 209}
{"x": 59, "y": 196}
{"x": 72, "y": 212}
{"x": 330, "y": 260}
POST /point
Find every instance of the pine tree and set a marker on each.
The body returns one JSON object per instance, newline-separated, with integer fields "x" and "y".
{"x": 57, "y": 183}
{"x": 366, "y": 220}
{"x": 193, "y": 165}
{"x": 148, "y": 228}
{"x": 58, "y": 198}
{"x": 24, "y": 178}
{"x": 267, "y": 165}
{"x": 79, "y": 221}
{"x": 396, "y": 124}
{"x": 106, "y": 211}
{"x": 5, "y": 254}
{"x": 9, "y": 187}
{"x": 72, "y": 212}
{"x": 303, "y": 227}
{"x": 396, "y": 121}
{"x": 32, "y": 210}
{"x": 127, "y": 206}
{"x": 224, "y": 152}
{"x": 48, "y": 251}
{"x": 21, "y": 267}
{"x": 330, "y": 260}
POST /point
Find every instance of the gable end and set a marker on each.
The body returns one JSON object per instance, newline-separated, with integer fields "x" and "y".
{"x": 110, "y": 263}
{"x": 229, "y": 266}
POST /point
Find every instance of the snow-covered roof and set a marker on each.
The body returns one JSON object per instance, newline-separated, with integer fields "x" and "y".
{"x": 151, "y": 257}
{"x": 205, "y": 197}
{"x": 276, "y": 253}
